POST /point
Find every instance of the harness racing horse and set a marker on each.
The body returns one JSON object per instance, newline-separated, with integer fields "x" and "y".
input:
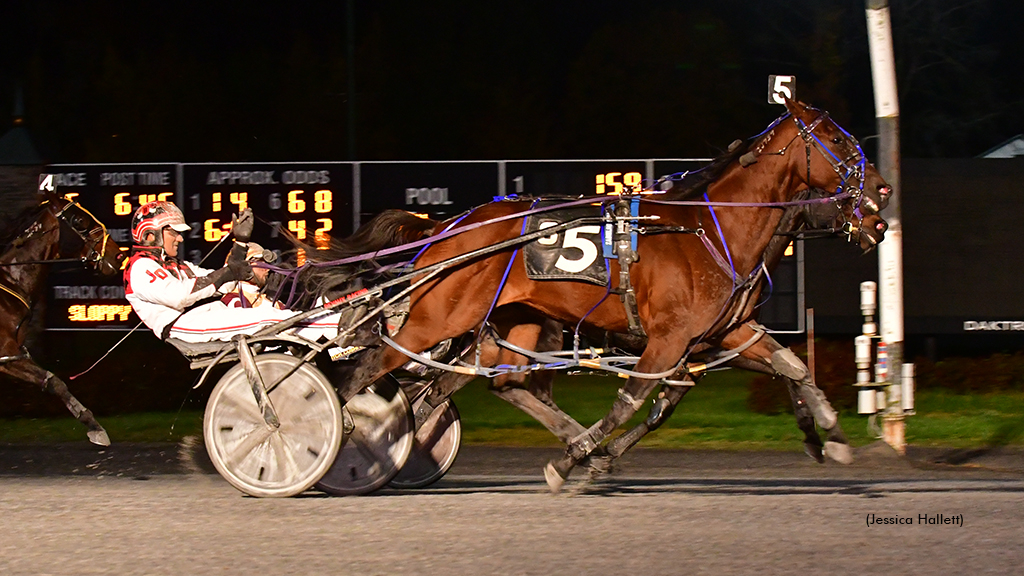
{"x": 686, "y": 290}
{"x": 522, "y": 329}
{"x": 56, "y": 229}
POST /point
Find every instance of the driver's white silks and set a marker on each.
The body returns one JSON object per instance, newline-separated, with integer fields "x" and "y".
{"x": 217, "y": 321}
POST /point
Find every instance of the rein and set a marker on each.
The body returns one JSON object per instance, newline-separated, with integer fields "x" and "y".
{"x": 82, "y": 260}
{"x": 20, "y": 298}
{"x": 583, "y": 201}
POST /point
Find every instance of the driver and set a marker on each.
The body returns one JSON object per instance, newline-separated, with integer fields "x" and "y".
{"x": 177, "y": 299}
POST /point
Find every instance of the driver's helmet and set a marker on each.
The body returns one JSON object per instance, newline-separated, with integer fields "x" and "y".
{"x": 152, "y": 217}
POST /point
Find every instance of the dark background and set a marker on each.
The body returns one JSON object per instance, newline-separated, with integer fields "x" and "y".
{"x": 232, "y": 81}
{"x": 105, "y": 81}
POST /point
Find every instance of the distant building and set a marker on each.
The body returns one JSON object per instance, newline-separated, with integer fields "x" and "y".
{"x": 20, "y": 165}
{"x": 1009, "y": 149}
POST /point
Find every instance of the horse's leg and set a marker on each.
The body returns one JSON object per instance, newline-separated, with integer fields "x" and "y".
{"x": 807, "y": 398}
{"x": 432, "y": 320}
{"x": 26, "y": 369}
{"x": 663, "y": 407}
{"x": 544, "y": 336}
{"x": 660, "y": 355}
{"x": 542, "y": 382}
{"x": 510, "y": 387}
{"x": 804, "y": 419}
{"x": 449, "y": 383}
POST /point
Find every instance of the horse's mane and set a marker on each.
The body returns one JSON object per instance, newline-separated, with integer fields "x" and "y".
{"x": 692, "y": 184}
{"x": 19, "y": 223}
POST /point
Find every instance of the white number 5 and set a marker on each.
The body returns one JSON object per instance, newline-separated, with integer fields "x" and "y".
{"x": 779, "y": 87}
{"x": 588, "y": 247}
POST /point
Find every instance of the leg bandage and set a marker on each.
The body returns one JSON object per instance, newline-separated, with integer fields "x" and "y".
{"x": 786, "y": 363}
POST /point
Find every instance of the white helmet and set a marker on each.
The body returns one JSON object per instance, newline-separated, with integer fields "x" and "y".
{"x": 151, "y": 218}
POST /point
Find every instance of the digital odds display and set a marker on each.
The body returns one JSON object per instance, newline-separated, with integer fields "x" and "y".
{"x": 311, "y": 201}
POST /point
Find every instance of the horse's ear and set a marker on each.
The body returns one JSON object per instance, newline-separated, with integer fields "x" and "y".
{"x": 795, "y": 107}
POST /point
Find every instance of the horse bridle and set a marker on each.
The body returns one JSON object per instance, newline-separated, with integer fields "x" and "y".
{"x": 842, "y": 167}
{"x": 849, "y": 168}
{"x": 86, "y": 234}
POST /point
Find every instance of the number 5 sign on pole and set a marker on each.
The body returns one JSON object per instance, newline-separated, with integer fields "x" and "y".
{"x": 781, "y": 87}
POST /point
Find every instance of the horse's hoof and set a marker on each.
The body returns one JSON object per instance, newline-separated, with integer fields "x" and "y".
{"x": 598, "y": 465}
{"x": 839, "y": 452}
{"x": 99, "y": 437}
{"x": 553, "y": 478}
{"x": 815, "y": 451}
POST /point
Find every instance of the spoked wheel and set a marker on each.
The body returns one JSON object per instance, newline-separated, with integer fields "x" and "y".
{"x": 378, "y": 445}
{"x": 436, "y": 443}
{"x": 265, "y": 461}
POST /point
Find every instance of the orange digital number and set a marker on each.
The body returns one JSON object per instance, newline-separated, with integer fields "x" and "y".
{"x": 147, "y": 198}
{"x": 632, "y": 180}
{"x": 298, "y": 227}
{"x": 296, "y": 205}
{"x": 212, "y": 232}
{"x": 323, "y": 240}
{"x": 324, "y": 201}
{"x": 240, "y": 199}
{"x": 611, "y": 180}
{"x": 122, "y": 208}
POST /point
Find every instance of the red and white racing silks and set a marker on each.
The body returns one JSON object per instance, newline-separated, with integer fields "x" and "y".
{"x": 160, "y": 292}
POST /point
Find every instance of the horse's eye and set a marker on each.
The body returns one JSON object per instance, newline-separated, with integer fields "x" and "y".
{"x": 837, "y": 140}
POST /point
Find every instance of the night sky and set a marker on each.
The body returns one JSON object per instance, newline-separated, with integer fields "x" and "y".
{"x": 185, "y": 82}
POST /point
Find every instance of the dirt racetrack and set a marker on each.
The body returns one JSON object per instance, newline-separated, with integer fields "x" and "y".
{"x": 152, "y": 509}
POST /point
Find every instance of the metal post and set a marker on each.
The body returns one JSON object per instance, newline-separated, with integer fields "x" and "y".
{"x": 890, "y": 252}
{"x": 810, "y": 343}
{"x": 350, "y": 16}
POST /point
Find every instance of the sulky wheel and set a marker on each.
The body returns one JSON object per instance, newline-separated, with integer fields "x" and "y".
{"x": 378, "y": 444}
{"x": 436, "y": 443}
{"x": 266, "y": 461}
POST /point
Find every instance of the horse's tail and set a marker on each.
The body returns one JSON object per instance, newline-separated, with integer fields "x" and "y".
{"x": 386, "y": 230}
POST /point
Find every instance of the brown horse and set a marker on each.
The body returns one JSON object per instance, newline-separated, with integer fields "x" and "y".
{"x": 683, "y": 295}
{"x": 526, "y": 329}
{"x": 57, "y": 228}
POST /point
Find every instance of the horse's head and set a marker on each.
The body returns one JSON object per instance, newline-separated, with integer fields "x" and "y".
{"x": 84, "y": 236}
{"x": 840, "y": 163}
{"x": 832, "y": 160}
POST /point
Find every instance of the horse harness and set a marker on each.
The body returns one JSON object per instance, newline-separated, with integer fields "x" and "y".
{"x": 619, "y": 239}
{"x": 36, "y": 229}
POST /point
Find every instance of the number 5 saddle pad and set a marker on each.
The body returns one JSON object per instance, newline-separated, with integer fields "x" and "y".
{"x": 572, "y": 254}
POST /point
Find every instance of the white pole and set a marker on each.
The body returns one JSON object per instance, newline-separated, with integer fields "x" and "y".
{"x": 890, "y": 252}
